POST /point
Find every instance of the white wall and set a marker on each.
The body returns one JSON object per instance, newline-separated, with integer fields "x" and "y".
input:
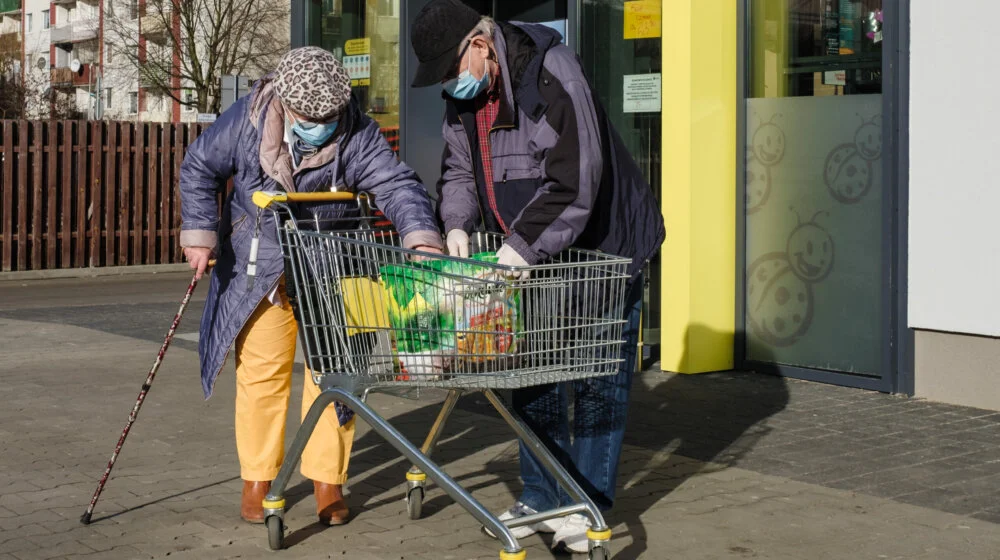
{"x": 954, "y": 276}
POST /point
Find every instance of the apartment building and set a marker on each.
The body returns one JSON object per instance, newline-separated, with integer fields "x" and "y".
{"x": 82, "y": 58}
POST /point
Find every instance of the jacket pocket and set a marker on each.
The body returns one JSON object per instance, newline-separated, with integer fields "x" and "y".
{"x": 520, "y": 174}
{"x": 235, "y": 226}
{"x": 516, "y": 192}
{"x": 238, "y": 223}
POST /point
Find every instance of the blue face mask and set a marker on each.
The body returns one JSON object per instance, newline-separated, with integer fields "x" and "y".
{"x": 466, "y": 86}
{"x": 314, "y": 134}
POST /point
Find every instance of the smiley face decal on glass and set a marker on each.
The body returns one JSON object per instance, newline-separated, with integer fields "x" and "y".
{"x": 780, "y": 302}
{"x": 849, "y": 172}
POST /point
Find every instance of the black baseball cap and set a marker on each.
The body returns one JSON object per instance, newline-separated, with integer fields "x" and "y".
{"x": 436, "y": 35}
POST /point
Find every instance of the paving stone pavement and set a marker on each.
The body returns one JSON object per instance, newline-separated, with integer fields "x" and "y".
{"x": 726, "y": 466}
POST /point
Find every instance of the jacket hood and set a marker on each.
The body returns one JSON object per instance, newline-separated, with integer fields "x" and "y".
{"x": 543, "y": 36}
{"x": 526, "y": 45}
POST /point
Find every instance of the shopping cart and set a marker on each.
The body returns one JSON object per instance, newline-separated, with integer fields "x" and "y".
{"x": 374, "y": 316}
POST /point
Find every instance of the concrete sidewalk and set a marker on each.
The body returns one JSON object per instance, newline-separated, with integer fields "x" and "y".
{"x": 715, "y": 467}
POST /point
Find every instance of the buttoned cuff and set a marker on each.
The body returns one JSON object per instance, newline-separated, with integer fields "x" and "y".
{"x": 518, "y": 244}
{"x": 464, "y": 225}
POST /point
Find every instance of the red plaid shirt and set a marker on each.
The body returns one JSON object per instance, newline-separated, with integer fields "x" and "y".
{"x": 487, "y": 108}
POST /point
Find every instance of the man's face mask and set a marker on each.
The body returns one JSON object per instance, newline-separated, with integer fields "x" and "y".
{"x": 466, "y": 86}
{"x": 314, "y": 134}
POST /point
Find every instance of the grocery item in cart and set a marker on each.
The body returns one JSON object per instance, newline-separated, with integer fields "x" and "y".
{"x": 442, "y": 310}
{"x": 489, "y": 319}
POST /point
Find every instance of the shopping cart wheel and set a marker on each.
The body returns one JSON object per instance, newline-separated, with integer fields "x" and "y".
{"x": 275, "y": 532}
{"x": 415, "y": 502}
{"x": 599, "y": 544}
{"x": 599, "y": 553}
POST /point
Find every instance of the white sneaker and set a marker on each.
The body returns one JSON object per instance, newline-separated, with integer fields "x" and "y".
{"x": 572, "y": 534}
{"x": 521, "y": 510}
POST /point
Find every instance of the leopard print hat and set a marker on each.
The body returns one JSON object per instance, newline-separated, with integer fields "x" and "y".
{"x": 312, "y": 82}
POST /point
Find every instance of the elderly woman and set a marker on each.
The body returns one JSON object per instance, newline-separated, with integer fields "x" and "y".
{"x": 299, "y": 130}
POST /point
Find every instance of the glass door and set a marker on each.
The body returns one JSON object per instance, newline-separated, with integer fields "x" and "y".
{"x": 815, "y": 209}
{"x": 364, "y": 35}
{"x": 624, "y": 64}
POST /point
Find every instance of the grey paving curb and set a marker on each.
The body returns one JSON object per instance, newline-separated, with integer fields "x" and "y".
{"x": 91, "y": 272}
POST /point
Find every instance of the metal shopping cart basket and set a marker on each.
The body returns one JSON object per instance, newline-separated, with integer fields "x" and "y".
{"x": 374, "y": 316}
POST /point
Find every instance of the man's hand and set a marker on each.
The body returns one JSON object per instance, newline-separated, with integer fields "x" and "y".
{"x": 458, "y": 243}
{"x": 507, "y": 256}
{"x": 198, "y": 257}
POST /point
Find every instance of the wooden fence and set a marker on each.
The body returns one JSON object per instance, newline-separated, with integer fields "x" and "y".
{"x": 85, "y": 194}
{"x": 91, "y": 193}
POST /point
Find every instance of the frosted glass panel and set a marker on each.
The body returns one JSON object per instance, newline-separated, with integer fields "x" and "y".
{"x": 814, "y": 275}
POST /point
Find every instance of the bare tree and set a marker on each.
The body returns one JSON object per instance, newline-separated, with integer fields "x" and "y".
{"x": 13, "y": 93}
{"x": 24, "y": 96}
{"x": 190, "y": 44}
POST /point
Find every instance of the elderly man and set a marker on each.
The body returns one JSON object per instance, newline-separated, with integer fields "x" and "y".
{"x": 299, "y": 130}
{"x": 530, "y": 152}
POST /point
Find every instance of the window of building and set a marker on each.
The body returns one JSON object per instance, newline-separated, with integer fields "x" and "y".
{"x": 133, "y": 103}
{"x": 189, "y": 100}
{"x": 108, "y": 53}
{"x": 29, "y": 24}
{"x": 46, "y": 22}
{"x": 133, "y": 9}
{"x": 107, "y": 98}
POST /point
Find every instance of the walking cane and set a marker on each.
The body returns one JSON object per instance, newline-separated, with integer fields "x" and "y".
{"x": 85, "y": 518}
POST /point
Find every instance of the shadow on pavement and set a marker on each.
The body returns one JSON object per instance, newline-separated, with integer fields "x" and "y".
{"x": 163, "y": 499}
{"x": 700, "y": 421}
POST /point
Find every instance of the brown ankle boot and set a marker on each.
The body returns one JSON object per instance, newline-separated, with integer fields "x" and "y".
{"x": 252, "y": 507}
{"x": 330, "y": 505}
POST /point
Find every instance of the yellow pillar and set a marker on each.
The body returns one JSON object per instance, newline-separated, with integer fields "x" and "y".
{"x": 699, "y": 185}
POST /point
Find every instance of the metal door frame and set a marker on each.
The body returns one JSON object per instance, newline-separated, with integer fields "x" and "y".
{"x": 897, "y": 352}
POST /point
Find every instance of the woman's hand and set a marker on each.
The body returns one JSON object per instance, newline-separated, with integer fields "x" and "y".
{"x": 198, "y": 257}
{"x": 426, "y": 249}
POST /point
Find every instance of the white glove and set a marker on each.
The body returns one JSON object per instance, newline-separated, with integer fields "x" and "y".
{"x": 507, "y": 256}
{"x": 458, "y": 243}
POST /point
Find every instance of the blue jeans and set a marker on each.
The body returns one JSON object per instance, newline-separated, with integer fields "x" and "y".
{"x": 600, "y": 409}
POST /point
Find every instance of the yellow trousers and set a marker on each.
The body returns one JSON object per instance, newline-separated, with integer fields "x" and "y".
{"x": 265, "y": 353}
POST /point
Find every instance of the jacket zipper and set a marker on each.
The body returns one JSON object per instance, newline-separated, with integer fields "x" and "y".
{"x": 479, "y": 201}
{"x": 496, "y": 212}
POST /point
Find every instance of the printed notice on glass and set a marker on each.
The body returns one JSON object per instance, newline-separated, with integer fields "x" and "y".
{"x": 359, "y": 69}
{"x": 358, "y": 46}
{"x": 642, "y": 19}
{"x": 642, "y": 93}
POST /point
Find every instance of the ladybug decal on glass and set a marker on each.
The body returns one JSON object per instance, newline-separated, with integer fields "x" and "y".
{"x": 767, "y": 148}
{"x": 849, "y": 171}
{"x": 758, "y": 180}
{"x": 780, "y": 285}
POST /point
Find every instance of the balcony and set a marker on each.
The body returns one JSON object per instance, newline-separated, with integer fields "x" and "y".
{"x": 10, "y": 8}
{"x": 62, "y": 78}
{"x": 10, "y": 44}
{"x": 155, "y": 22}
{"x": 74, "y": 32}
{"x": 154, "y": 27}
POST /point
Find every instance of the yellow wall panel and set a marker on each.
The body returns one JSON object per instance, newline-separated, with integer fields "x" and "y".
{"x": 699, "y": 185}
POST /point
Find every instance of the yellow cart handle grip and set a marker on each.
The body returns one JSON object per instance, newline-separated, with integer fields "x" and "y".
{"x": 264, "y": 199}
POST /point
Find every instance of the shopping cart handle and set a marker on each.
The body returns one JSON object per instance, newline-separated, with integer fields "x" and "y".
{"x": 264, "y": 199}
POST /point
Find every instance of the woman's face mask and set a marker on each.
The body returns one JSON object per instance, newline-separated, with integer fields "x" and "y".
{"x": 466, "y": 86}
{"x": 314, "y": 134}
